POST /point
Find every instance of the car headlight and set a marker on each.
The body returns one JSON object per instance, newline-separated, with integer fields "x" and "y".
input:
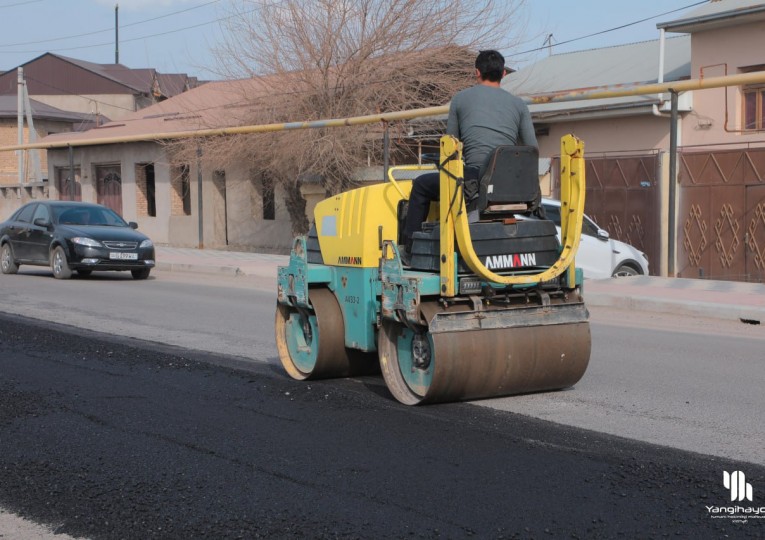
{"x": 146, "y": 244}
{"x": 84, "y": 241}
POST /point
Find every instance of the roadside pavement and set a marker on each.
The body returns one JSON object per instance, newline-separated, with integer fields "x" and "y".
{"x": 726, "y": 300}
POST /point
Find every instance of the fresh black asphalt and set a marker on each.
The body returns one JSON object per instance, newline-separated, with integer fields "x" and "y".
{"x": 103, "y": 437}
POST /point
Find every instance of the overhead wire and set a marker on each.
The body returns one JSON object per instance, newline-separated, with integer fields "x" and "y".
{"x": 148, "y": 36}
{"x": 609, "y": 29}
{"x": 298, "y": 92}
{"x": 62, "y": 38}
{"x": 20, "y": 4}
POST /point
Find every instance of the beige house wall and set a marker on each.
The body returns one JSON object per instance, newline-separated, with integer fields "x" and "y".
{"x": 716, "y": 53}
{"x": 9, "y": 160}
{"x": 234, "y": 213}
{"x": 617, "y": 134}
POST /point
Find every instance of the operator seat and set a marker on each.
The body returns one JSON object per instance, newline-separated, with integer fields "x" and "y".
{"x": 509, "y": 185}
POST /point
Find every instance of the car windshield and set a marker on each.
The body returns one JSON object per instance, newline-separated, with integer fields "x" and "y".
{"x": 589, "y": 227}
{"x": 87, "y": 215}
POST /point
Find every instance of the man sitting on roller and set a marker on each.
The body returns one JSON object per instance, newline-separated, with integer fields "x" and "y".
{"x": 482, "y": 117}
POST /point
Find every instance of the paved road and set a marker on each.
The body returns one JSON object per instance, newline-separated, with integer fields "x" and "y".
{"x": 687, "y": 383}
{"x": 124, "y": 439}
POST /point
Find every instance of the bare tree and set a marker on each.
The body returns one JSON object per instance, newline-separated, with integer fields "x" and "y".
{"x": 317, "y": 59}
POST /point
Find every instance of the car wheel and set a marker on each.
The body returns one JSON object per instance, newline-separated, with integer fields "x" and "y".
{"x": 141, "y": 274}
{"x": 625, "y": 270}
{"x": 59, "y": 264}
{"x": 84, "y": 273}
{"x": 7, "y": 262}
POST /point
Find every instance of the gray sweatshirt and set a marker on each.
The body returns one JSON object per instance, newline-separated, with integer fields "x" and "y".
{"x": 484, "y": 117}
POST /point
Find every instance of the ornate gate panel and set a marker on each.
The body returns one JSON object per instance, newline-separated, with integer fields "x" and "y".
{"x": 754, "y": 220}
{"x": 623, "y": 198}
{"x": 722, "y": 200}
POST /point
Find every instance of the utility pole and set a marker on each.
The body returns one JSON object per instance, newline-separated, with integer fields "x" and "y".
{"x": 549, "y": 43}
{"x": 199, "y": 198}
{"x": 35, "y": 154}
{"x": 116, "y": 33}
{"x": 20, "y": 122}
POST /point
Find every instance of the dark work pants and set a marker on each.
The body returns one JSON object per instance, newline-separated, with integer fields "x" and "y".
{"x": 425, "y": 189}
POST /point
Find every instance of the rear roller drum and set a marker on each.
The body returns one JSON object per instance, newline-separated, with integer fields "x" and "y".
{"x": 311, "y": 342}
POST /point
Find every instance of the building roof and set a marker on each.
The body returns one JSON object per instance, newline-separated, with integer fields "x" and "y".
{"x": 717, "y": 14}
{"x": 172, "y": 84}
{"x": 630, "y": 64}
{"x": 212, "y": 105}
{"x": 9, "y": 109}
{"x": 53, "y": 74}
{"x": 143, "y": 80}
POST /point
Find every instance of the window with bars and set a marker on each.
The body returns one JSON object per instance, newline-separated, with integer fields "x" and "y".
{"x": 754, "y": 112}
{"x": 753, "y": 101}
{"x": 186, "y": 190}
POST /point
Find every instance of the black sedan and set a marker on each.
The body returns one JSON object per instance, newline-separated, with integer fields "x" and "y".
{"x": 71, "y": 236}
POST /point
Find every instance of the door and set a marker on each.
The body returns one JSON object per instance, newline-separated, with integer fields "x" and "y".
{"x": 109, "y": 187}
{"x": 68, "y": 189}
{"x": 595, "y": 255}
{"x": 40, "y": 235}
{"x": 20, "y": 231}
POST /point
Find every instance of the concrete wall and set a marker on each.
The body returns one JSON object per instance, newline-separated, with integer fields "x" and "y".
{"x": 13, "y": 197}
{"x": 244, "y": 208}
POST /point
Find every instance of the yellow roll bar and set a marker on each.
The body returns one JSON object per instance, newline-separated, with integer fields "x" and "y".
{"x": 454, "y": 219}
{"x": 395, "y": 168}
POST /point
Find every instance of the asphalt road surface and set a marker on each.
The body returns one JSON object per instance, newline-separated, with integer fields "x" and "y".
{"x": 119, "y": 438}
{"x": 689, "y": 383}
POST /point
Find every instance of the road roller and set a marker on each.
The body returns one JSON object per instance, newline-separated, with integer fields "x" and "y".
{"x": 488, "y": 304}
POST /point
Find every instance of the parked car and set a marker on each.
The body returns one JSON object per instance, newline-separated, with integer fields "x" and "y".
{"x": 600, "y": 256}
{"x": 71, "y": 236}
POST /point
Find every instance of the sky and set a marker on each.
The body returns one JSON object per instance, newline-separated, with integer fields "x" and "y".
{"x": 177, "y": 36}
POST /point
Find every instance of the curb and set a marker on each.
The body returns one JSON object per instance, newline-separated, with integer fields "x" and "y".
{"x": 200, "y": 268}
{"x": 615, "y": 299}
{"x": 677, "y": 307}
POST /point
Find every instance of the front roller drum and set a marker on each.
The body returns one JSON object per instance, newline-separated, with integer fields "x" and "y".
{"x": 421, "y": 367}
{"x": 311, "y": 342}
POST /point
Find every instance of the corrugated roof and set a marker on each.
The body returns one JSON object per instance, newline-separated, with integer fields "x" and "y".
{"x": 137, "y": 81}
{"x": 172, "y": 84}
{"x": 9, "y": 109}
{"x": 717, "y": 13}
{"x": 622, "y": 64}
{"x": 634, "y": 63}
{"x": 212, "y": 105}
{"x": 114, "y": 72}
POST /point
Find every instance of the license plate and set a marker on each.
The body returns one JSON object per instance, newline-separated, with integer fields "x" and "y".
{"x": 116, "y": 255}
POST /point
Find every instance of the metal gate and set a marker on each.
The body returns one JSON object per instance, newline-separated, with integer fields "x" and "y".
{"x": 109, "y": 187}
{"x": 721, "y": 219}
{"x": 623, "y": 198}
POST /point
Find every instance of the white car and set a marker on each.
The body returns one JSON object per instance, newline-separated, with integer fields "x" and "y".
{"x": 600, "y": 256}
